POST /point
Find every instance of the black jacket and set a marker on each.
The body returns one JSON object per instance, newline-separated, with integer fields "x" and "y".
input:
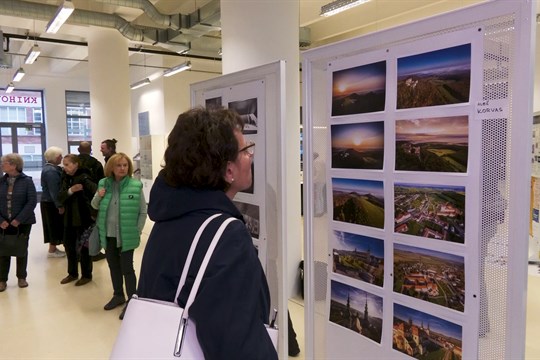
{"x": 23, "y": 200}
{"x": 94, "y": 167}
{"x": 233, "y": 300}
{"x": 78, "y": 211}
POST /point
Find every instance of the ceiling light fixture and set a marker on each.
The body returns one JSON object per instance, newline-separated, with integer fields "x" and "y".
{"x": 32, "y": 55}
{"x": 19, "y": 74}
{"x": 62, "y": 14}
{"x": 140, "y": 84}
{"x": 339, "y": 6}
{"x": 10, "y": 88}
{"x": 177, "y": 69}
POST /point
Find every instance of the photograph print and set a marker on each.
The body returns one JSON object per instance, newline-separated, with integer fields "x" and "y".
{"x": 359, "y": 90}
{"x": 247, "y": 109}
{"x": 429, "y": 275}
{"x": 426, "y": 337}
{"x": 359, "y": 257}
{"x": 213, "y": 103}
{"x": 358, "y": 145}
{"x": 356, "y": 310}
{"x": 439, "y": 144}
{"x": 430, "y": 211}
{"x": 250, "y": 212}
{"x": 358, "y": 202}
{"x": 434, "y": 78}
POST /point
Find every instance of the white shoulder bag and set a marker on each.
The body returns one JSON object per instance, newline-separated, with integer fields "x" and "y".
{"x": 161, "y": 329}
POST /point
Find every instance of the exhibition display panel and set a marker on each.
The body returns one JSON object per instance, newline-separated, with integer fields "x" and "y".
{"x": 414, "y": 138}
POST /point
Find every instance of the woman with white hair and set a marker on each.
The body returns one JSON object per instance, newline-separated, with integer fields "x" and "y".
{"x": 51, "y": 209}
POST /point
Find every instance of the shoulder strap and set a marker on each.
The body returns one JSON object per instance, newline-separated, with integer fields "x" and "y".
{"x": 190, "y": 254}
{"x": 204, "y": 264}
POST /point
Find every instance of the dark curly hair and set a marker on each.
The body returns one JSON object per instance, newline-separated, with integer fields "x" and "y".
{"x": 199, "y": 147}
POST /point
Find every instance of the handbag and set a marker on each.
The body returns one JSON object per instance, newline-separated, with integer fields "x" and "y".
{"x": 94, "y": 243}
{"x": 160, "y": 329}
{"x": 13, "y": 244}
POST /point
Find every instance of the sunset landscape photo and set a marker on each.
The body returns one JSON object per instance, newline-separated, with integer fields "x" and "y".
{"x": 358, "y": 202}
{"x": 358, "y": 90}
{"x": 434, "y": 78}
{"x": 358, "y": 145}
{"x": 424, "y": 336}
{"x": 433, "y": 144}
{"x": 359, "y": 257}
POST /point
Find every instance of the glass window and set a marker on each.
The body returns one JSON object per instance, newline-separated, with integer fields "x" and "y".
{"x": 78, "y": 116}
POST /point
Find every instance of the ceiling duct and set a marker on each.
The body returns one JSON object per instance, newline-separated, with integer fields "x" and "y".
{"x": 5, "y": 59}
{"x": 176, "y": 36}
{"x": 148, "y": 8}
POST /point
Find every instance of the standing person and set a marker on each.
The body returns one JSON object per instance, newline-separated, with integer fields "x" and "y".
{"x": 89, "y": 162}
{"x": 51, "y": 209}
{"x": 18, "y": 199}
{"x": 96, "y": 173}
{"x": 121, "y": 217}
{"x": 75, "y": 194}
{"x": 108, "y": 148}
{"x": 207, "y": 162}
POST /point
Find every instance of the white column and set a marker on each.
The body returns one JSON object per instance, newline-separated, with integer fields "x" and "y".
{"x": 259, "y": 32}
{"x": 110, "y": 98}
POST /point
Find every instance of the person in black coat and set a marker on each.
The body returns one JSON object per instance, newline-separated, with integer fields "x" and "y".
{"x": 18, "y": 200}
{"x": 207, "y": 162}
{"x": 75, "y": 195}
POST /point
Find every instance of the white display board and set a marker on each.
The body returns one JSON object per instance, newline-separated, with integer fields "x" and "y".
{"x": 257, "y": 94}
{"x": 412, "y": 130}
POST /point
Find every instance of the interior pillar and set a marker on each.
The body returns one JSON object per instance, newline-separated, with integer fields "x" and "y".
{"x": 259, "y": 32}
{"x": 110, "y": 98}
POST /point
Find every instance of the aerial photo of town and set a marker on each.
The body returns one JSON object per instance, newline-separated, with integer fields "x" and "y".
{"x": 358, "y": 201}
{"x": 358, "y": 145}
{"x": 356, "y": 310}
{"x": 434, "y": 78}
{"x": 360, "y": 89}
{"x": 359, "y": 257}
{"x": 426, "y": 337}
{"x": 430, "y": 275}
{"x": 431, "y": 211}
{"x": 433, "y": 144}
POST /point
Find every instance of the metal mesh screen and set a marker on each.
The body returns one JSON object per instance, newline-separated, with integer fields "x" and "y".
{"x": 496, "y": 147}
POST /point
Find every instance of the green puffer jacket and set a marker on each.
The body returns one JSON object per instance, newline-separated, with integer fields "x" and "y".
{"x": 130, "y": 200}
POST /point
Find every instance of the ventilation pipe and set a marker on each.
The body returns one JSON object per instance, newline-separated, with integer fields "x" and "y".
{"x": 168, "y": 38}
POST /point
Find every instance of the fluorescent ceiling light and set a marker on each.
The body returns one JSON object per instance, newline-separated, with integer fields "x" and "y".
{"x": 10, "y": 88}
{"x": 19, "y": 75}
{"x": 177, "y": 69}
{"x": 32, "y": 55}
{"x": 62, "y": 13}
{"x": 339, "y": 6}
{"x": 140, "y": 84}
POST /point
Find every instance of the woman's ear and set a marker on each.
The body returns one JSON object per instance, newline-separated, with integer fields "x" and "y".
{"x": 229, "y": 172}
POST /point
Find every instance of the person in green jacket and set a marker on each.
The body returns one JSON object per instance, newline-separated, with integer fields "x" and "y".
{"x": 121, "y": 216}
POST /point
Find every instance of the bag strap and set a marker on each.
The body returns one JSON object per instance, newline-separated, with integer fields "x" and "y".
{"x": 190, "y": 254}
{"x": 204, "y": 264}
{"x": 185, "y": 314}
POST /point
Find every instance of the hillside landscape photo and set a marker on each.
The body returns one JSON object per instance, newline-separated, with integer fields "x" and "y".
{"x": 433, "y": 144}
{"x": 358, "y": 202}
{"x": 435, "y": 78}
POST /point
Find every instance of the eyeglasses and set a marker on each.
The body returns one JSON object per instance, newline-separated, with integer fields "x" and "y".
{"x": 249, "y": 148}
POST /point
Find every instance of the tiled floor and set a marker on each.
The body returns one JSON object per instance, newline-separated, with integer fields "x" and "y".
{"x": 52, "y": 321}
